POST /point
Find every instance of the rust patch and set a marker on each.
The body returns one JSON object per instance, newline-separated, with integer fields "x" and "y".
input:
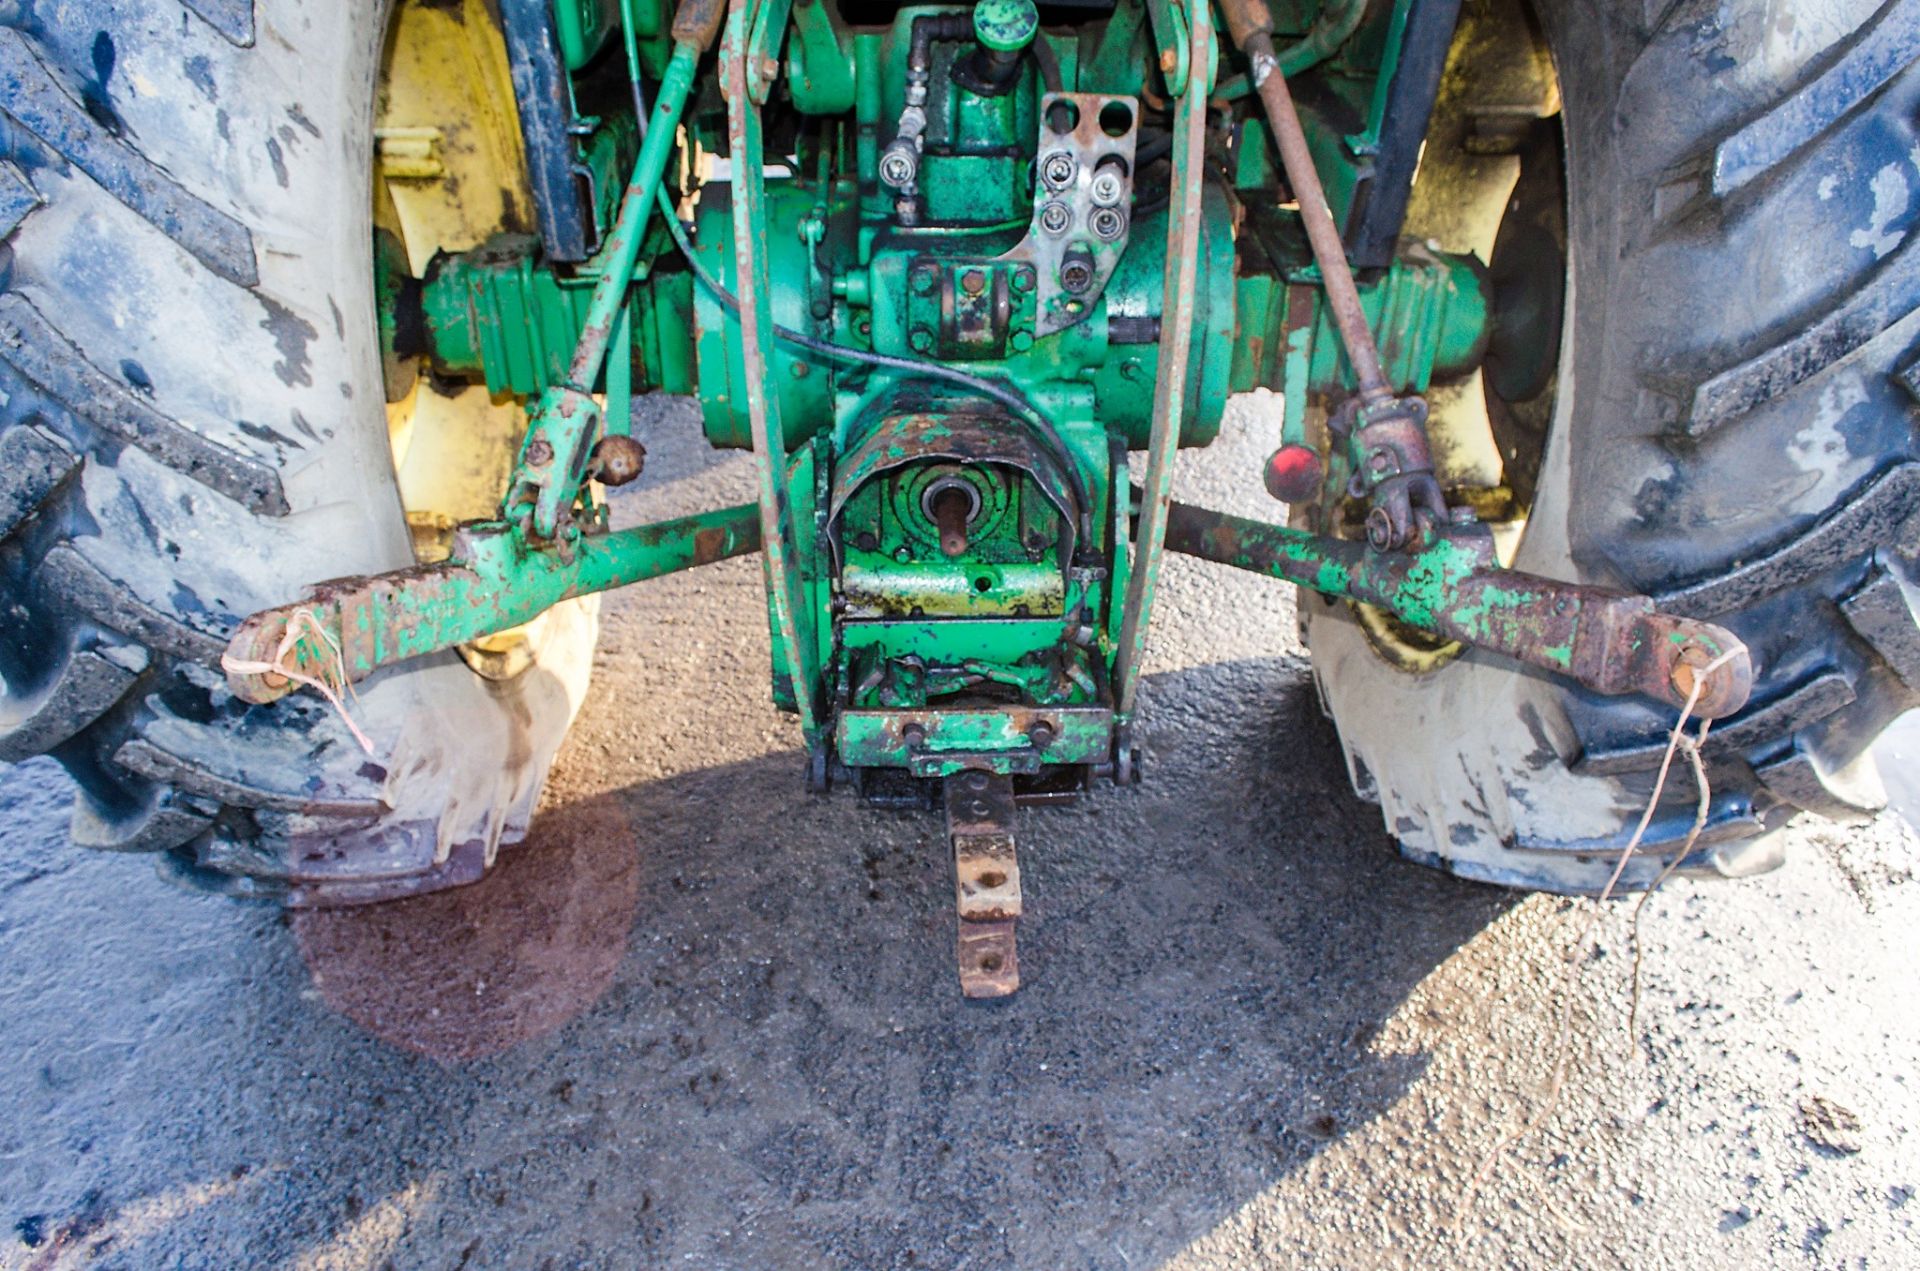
{"x": 709, "y": 545}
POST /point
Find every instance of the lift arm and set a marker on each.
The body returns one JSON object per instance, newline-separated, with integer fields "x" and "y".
{"x": 1611, "y": 641}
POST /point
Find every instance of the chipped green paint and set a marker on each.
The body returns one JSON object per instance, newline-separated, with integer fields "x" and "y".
{"x": 1005, "y": 26}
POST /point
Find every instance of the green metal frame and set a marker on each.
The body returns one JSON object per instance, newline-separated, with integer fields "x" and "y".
{"x": 1021, "y": 646}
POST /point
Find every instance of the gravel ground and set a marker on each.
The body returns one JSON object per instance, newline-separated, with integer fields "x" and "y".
{"x": 700, "y": 1020}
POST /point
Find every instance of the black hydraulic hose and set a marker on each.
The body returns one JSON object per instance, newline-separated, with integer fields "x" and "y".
{"x": 1049, "y": 64}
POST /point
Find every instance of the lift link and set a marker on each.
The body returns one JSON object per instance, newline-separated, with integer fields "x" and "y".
{"x": 1385, "y": 436}
{"x": 1611, "y": 641}
{"x": 565, "y": 422}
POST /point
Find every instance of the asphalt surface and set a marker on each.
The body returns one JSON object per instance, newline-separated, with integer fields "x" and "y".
{"x": 700, "y": 1020}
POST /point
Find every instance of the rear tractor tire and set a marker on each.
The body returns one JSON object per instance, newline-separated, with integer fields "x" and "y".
{"x": 193, "y": 427}
{"x": 1730, "y": 431}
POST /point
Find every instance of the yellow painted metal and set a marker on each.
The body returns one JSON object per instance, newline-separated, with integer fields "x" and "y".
{"x": 1499, "y": 69}
{"x": 450, "y": 173}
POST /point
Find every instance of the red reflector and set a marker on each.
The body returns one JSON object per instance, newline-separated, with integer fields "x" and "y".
{"x": 1293, "y": 474}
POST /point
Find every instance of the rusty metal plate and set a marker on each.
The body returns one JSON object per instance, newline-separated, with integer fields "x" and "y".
{"x": 980, "y": 808}
{"x": 989, "y": 964}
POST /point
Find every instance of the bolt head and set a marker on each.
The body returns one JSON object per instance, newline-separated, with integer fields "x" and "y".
{"x": 539, "y": 452}
{"x": 924, "y": 278}
{"x": 920, "y": 339}
{"x": 973, "y": 282}
{"x": 617, "y": 459}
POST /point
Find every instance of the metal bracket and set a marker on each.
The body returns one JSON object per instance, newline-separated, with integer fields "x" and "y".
{"x": 1082, "y": 196}
{"x": 980, "y": 808}
{"x": 1171, "y": 38}
{"x": 763, "y": 47}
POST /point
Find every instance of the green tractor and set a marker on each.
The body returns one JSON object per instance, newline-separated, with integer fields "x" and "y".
{"x": 1583, "y": 338}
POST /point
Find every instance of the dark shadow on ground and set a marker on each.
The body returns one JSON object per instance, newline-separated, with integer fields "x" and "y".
{"x": 778, "y": 1069}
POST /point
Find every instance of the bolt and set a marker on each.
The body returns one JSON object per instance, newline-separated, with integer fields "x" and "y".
{"x": 617, "y": 459}
{"x": 1684, "y": 677}
{"x": 769, "y": 68}
{"x": 1041, "y": 735}
{"x": 923, "y": 278}
{"x": 1106, "y": 187}
{"x": 1168, "y": 60}
{"x": 1056, "y": 218}
{"x": 921, "y": 339}
{"x": 1022, "y": 341}
{"x": 539, "y": 452}
{"x": 801, "y": 370}
{"x": 1076, "y": 271}
{"x": 973, "y": 282}
{"x": 1107, "y": 223}
{"x": 914, "y": 735}
{"x": 1058, "y": 169}
{"x": 1023, "y": 278}
{"x": 976, "y": 781}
